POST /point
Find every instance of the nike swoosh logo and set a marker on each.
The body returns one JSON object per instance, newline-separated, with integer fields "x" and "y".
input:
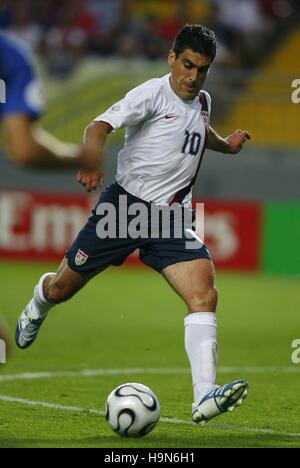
{"x": 170, "y": 116}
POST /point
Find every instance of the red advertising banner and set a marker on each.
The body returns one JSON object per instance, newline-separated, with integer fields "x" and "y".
{"x": 232, "y": 234}
{"x": 42, "y": 226}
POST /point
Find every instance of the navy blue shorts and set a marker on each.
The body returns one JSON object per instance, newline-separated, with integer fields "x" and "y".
{"x": 90, "y": 251}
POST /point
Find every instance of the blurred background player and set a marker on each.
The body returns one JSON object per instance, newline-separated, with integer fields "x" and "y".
{"x": 21, "y": 105}
{"x": 26, "y": 144}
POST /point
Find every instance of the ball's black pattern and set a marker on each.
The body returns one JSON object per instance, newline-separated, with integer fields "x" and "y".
{"x": 153, "y": 407}
{"x": 132, "y": 415}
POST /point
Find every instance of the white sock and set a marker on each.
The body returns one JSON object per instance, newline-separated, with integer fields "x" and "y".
{"x": 40, "y": 305}
{"x": 202, "y": 349}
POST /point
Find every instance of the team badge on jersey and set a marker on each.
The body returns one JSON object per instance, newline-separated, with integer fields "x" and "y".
{"x": 204, "y": 109}
{"x": 81, "y": 258}
{"x": 205, "y": 116}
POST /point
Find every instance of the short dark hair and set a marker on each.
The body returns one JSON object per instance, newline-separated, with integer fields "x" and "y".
{"x": 198, "y": 38}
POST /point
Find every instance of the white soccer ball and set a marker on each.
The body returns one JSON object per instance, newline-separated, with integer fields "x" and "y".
{"x": 132, "y": 410}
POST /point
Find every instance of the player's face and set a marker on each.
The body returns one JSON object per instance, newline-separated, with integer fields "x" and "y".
{"x": 188, "y": 73}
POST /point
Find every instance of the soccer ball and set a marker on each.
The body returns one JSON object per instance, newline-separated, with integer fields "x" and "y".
{"x": 132, "y": 410}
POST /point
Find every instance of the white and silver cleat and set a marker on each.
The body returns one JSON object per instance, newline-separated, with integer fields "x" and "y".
{"x": 27, "y": 328}
{"x": 220, "y": 400}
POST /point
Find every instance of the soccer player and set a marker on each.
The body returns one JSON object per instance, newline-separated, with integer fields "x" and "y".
{"x": 167, "y": 131}
{"x": 21, "y": 104}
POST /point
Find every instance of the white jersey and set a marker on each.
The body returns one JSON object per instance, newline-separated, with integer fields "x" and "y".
{"x": 164, "y": 141}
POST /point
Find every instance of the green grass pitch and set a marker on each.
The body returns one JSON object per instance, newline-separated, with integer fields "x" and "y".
{"x": 127, "y": 322}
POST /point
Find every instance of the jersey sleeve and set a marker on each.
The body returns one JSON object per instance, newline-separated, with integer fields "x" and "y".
{"x": 22, "y": 93}
{"x": 208, "y": 100}
{"x": 137, "y": 106}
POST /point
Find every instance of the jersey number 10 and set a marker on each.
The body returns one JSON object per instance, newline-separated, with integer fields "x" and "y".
{"x": 192, "y": 143}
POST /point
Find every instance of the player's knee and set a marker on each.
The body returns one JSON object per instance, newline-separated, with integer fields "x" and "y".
{"x": 214, "y": 298}
{"x": 205, "y": 300}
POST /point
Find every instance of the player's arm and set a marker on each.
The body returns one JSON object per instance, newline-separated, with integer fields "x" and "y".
{"x": 229, "y": 145}
{"x": 94, "y": 141}
{"x": 135, "y": 108}
{"x": 30, "y": 146}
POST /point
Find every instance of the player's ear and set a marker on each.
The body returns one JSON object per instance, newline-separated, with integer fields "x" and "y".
{"x": 171, "y": 58}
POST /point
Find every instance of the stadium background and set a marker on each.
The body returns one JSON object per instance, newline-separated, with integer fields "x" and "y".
{"x": 92, "y": 52}
{"x": 89, "y": 54}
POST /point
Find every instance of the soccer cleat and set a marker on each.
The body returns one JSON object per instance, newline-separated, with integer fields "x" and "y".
{"x": 220, "y": 400}
{"x": 27, "y": 328}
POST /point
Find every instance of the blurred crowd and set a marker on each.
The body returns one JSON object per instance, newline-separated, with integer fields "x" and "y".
{"x": 64, "y": 31}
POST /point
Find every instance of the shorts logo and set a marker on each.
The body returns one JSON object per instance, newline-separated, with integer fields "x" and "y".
{"x": 81, "y": 258}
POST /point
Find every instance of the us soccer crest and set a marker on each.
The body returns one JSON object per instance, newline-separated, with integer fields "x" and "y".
{"x": 81, "y": 258}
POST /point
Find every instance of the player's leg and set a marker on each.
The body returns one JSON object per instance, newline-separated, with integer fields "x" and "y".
{"x": 59, "y": 287}
{"x": 52, "y": 289}
{"x": 194, "y": 281}
{"x": 87, "y": 257}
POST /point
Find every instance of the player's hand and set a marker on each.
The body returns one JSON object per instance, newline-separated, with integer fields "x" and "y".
{"x": 90, "y": 180}
{"x": 236, "y": 141}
